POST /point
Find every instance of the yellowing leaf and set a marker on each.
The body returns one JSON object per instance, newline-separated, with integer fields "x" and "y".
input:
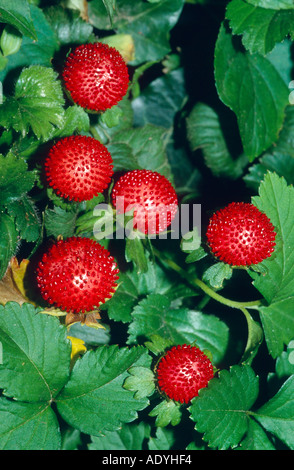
{"x": 77, "y": 347}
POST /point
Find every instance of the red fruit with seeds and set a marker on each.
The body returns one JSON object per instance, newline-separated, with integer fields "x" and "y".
{"x": 241, "y": 235}
{"x": 79, "y": 167}
{"x": 182, "y": 372}
{"x": 77, "y": 274}
{"x": 96, "y": 76}
{"x": 150, "y": 195}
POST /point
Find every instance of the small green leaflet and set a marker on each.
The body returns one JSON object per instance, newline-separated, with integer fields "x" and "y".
{"x": 37, "y": 103}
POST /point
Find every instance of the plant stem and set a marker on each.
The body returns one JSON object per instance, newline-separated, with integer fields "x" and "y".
{"x": 196, "y": 282}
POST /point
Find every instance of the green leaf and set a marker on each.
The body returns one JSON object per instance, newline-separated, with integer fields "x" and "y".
{"x": 167, "y": 412}
{"x": 256, "y": 438}
{"x": 28, "y": 426}
{"x": 15, "y": 179}
{"x": 8, "y": 241}
{"x": 32, "y": 52}
{"x": 129, "y": 437}
{"x": 135, "y": 253}
{"x": 191, "y": 243}
{"x": 76, "y": 120}
{"x": 59, "y": 222}
{"x": 159, "y": 103}
{"x": 205, "y": 131}
{"x": 277, "y": 415}
{"x": 143, "y": 142}
{"x": 220, "y": 410}
{"x": 94, "y": 399}
{"x": 141, "y": 381}
{"x": 37, "y": 103}
{"x": 26, "y": 217}
{"x": 163, "y": 440}
{"x": 254, "y": 90}
{"x": 132, "y": 286}
{"x": 260, "y": 28}
{"x": 216, "y": 275}
{"x": 276, "y": 199}
{"x": 274, "y": 4}
{"x": 149, "y": 24}
{"x": 110, "y": 6}
{"x": 36, "y": 354}
{"x": 155, "y": 316}
{"x": 68, "y": 25}
{"x": 17, "y": 13}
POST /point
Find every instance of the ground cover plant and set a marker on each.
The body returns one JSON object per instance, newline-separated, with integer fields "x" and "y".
{"x": 146, "y": 225}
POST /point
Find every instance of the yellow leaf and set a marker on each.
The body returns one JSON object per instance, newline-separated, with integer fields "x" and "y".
{"x": 77, "y": 347}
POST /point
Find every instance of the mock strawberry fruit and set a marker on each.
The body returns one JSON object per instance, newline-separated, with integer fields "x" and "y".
{"x": 79, "y": 167}
{"x": 241, "y": 235}
{"x": 151, "y": 197}
{"x": 182, "y": 372}
{"x": 77, "y": 275}
{"x": 96, "y": 76}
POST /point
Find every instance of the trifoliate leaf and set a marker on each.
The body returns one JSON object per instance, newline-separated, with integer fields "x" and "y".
{"x": 220, "y": 410}
{"x": 94, "y": 399}
{"x": 37, "y": 103}
{"x": 28, "y": 426}
{"x": 36, "y": 353}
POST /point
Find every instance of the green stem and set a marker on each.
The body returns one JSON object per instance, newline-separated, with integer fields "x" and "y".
{"x": 196, "y": 282}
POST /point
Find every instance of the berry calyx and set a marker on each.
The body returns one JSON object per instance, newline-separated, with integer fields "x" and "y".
{"x": 77, "y": 274}
{"x": 96, "y": 76}
{"x": 182, "y": 372}
{"x": 78, "y": 167}
{"x": 150, "y": 195}
{"x": 241, "y": 235}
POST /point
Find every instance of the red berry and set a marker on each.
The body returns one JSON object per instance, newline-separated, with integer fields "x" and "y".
{"x": 79, "y": 167}
{"x": 182, "y": 372}
{"x": 241, "y": 235}
{"x": 96, "y": 76}
{"x": 152, "y": 197}
{"x": 77, "y": 274}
